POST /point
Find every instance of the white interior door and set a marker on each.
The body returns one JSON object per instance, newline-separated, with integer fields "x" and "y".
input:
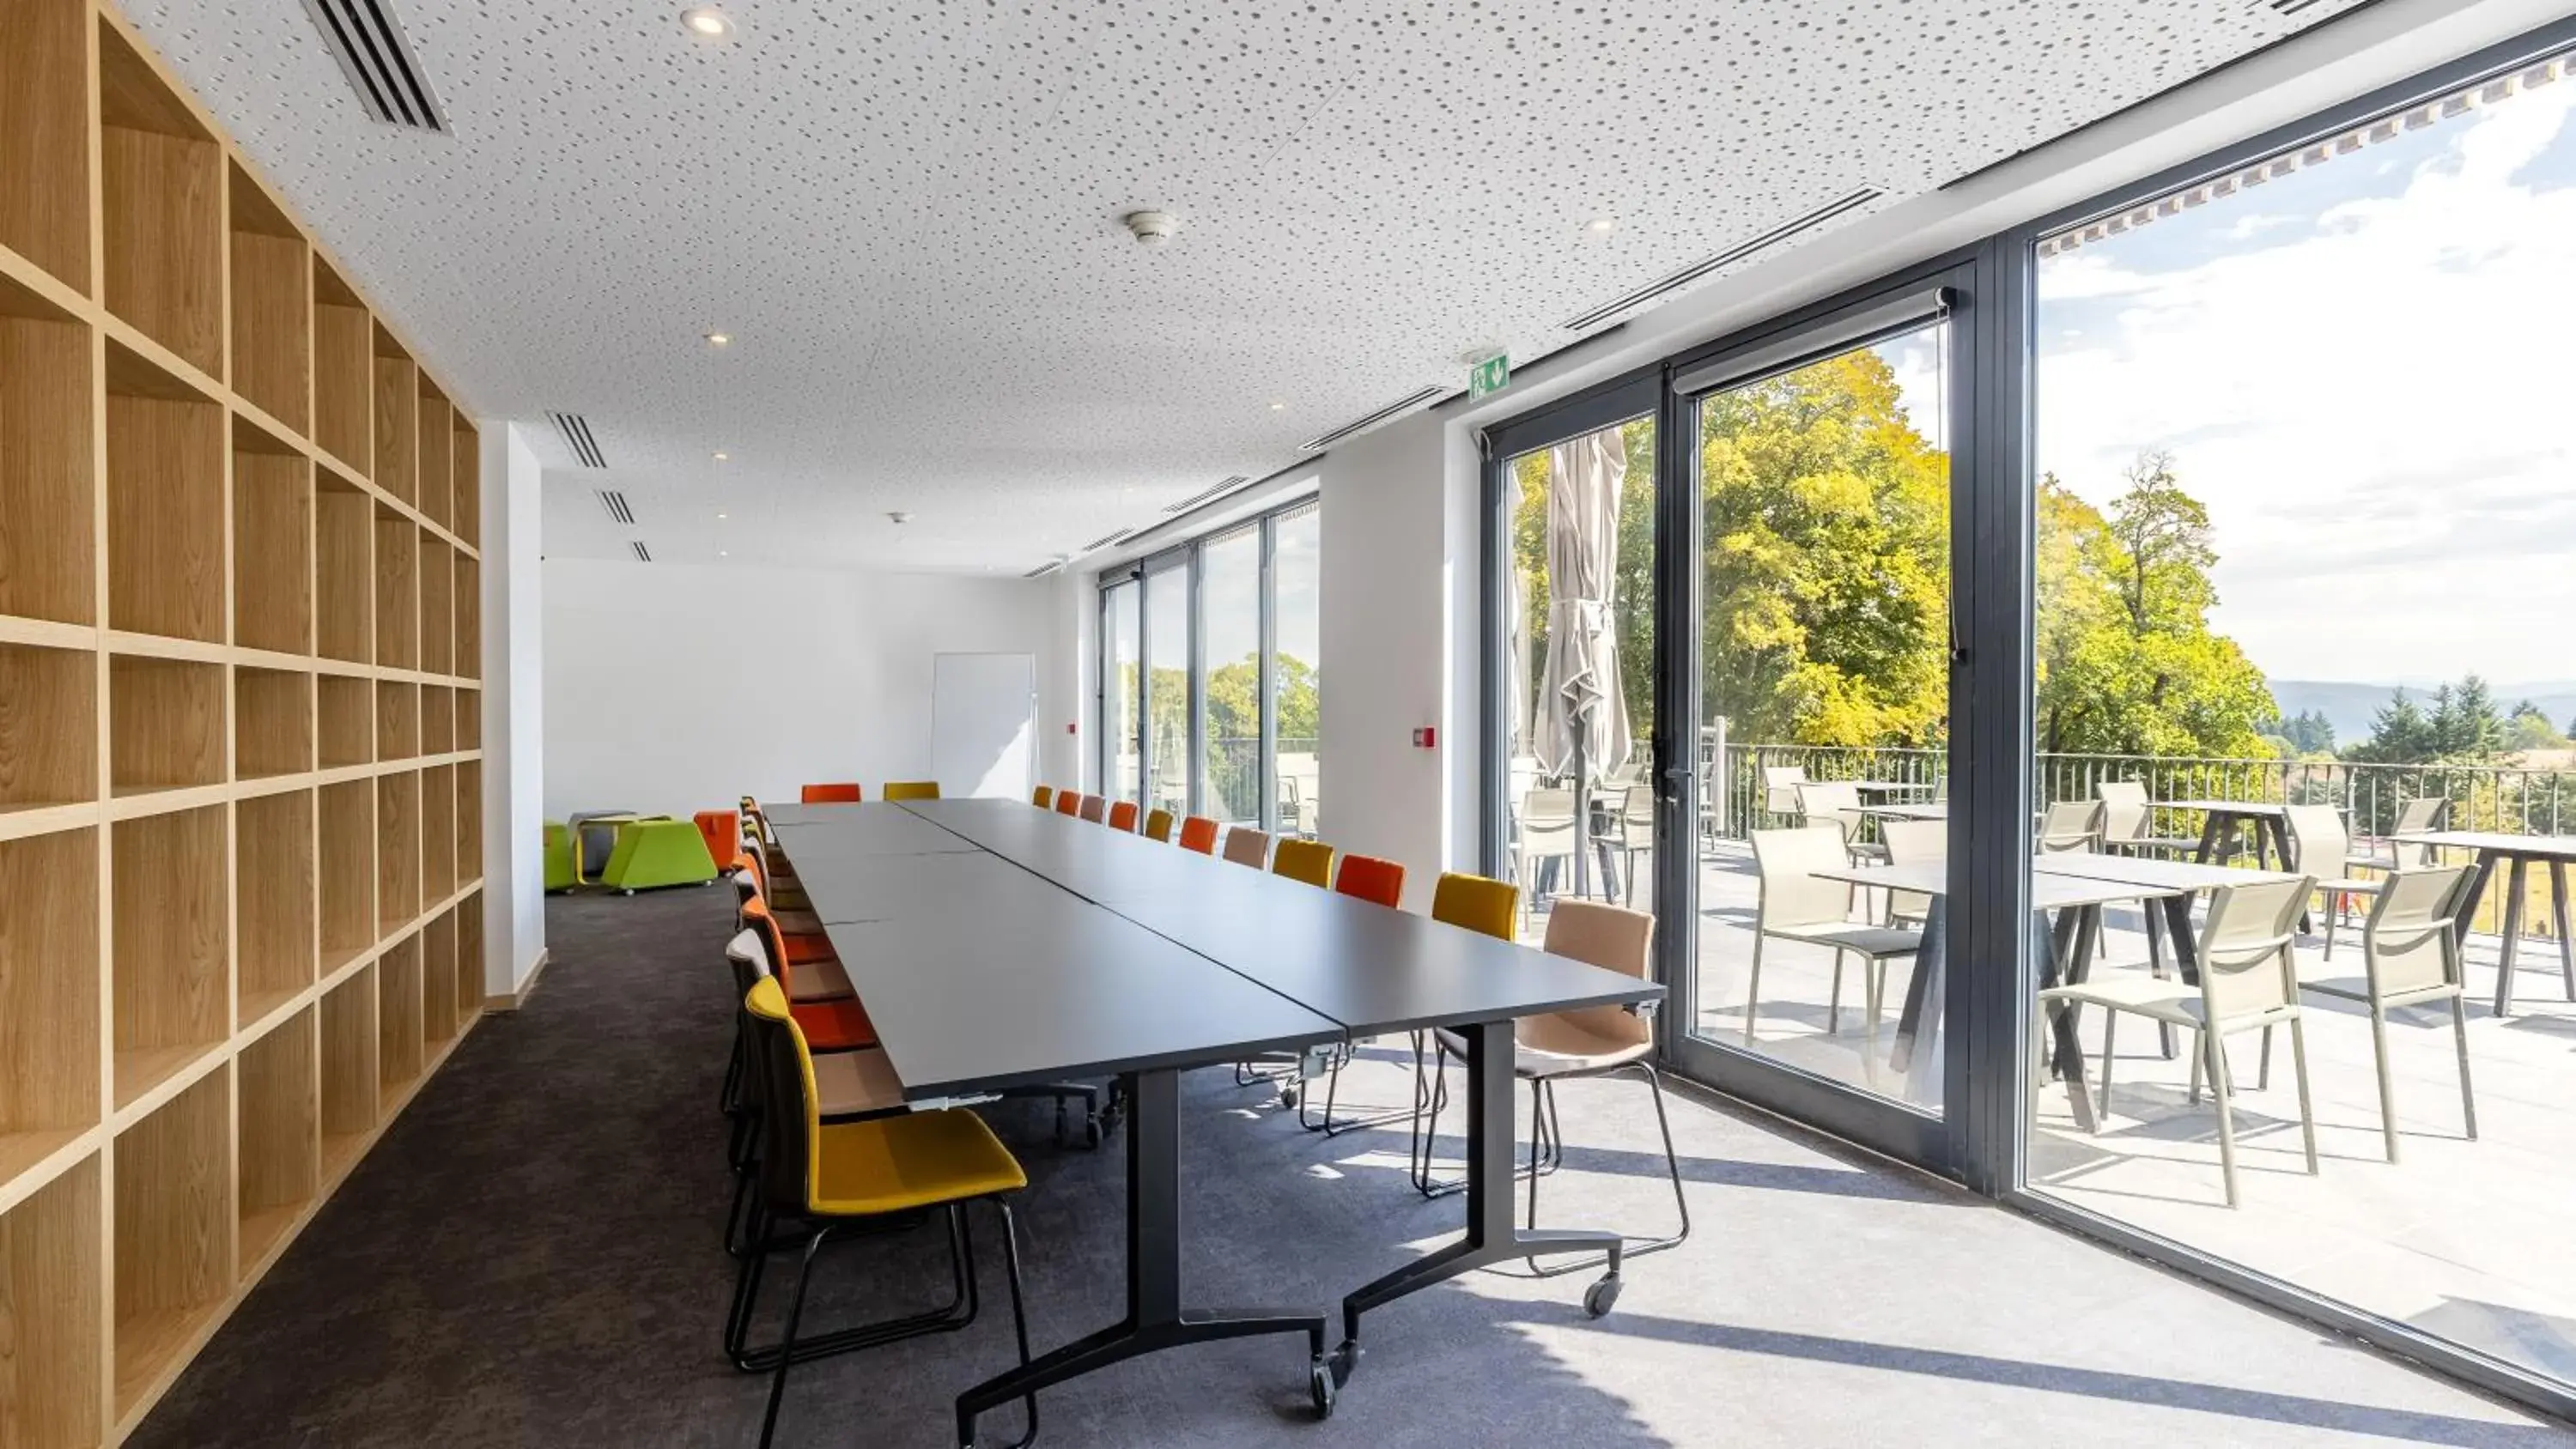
{"x": 984, "y": 724}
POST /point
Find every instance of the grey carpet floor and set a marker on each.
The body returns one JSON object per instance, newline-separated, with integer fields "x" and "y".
{"x": 531, "y": 1257}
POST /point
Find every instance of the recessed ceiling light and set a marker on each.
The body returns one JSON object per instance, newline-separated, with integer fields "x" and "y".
{"x": 1278, "y": 407}
{"x": 720, "y": 553}
{"x": 1602, "y": 225}
{"x": 719, "y": 515}
{"x": 719, "y": 339}
{"x": 720, "y": 457}
{"x": 706, "y": 22}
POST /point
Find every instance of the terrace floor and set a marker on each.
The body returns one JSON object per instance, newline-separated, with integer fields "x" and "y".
{"x": 2469, "y": 1240}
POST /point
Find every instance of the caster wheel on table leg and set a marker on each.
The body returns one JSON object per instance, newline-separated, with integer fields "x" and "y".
{"x": 1320, "y": 1385}
{"x": 1091, "y": 1132}
{"x": 626, "y": 893}
{"x": 1288, "y": 1098}
{"x": 1601, "y": 1296}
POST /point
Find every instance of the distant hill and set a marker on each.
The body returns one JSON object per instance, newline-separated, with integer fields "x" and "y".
{"x": 2350, "y": 707}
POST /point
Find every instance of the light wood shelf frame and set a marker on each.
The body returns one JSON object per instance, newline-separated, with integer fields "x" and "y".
{"x": 397, "y": 721}
{"x": 235, "y": 507}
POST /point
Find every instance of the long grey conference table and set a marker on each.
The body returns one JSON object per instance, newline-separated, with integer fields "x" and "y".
{"x": 1049, "y": 947}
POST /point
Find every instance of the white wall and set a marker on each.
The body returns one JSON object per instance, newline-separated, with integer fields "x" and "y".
{"x": 514, "y": 756}
{"x": 675, "y": 688}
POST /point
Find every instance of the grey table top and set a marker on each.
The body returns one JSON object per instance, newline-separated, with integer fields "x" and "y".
{"x": 2531, "y": 847}
{"x": 871, "y": 829}
{"x": 2269, "y": 810}
{"x": 2047, "y": 892}
{"x": 846, "y": 886}
{"x": 1929, "y": 810}
{"x": 2171, "y": 875}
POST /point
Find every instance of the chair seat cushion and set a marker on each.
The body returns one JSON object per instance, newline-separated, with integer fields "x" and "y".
{"x": 822, "y": 980}
{"x": 849, "y": 1083}
{"x": 1853, "y": 936}
{"x": 1529, "y": 1061}
{"x": 798, "y": 922}
{"x": 2355, "y": 887}
{"x": 834, "y": 1026}
{"x": 922, "y": 1159}
{"x": 805, "y": 950}
{"x": 2164, "y": 999}
{"x": 2166, "y": 844}
{"x": 1869, "y": 850}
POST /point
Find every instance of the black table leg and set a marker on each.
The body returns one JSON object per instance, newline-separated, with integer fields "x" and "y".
{"x": 2156, "y": 967}
{"x": 2208, "y": 837}
{"x": 1155, "y": 1318}
{"x": 2066, "y": 950}
{"x": 2510, "y": 947}
{"x": 1493, "y": 1235}
{"x": 2558, "y": 913}
{"x": 1923, "y": 988}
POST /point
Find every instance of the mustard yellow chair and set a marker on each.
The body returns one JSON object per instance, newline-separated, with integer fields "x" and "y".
{"x": 1158, "y": 826}
{"x": 834, "y": 1175}
{"x": 1308, "y": 860}
{"x": 912, "y": 790}
{"x": 1042, "y": 797}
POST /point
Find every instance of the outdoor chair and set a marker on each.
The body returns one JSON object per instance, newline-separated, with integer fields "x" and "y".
{"x": 2319, "y": 843}
{"x": 2127, "y": 818}
{"x": 1780, "y": 788}
{"x": 1635, "y": 837}
{"x": 2410, "y": 956}
{"x": 1913, "y": 842}
{"x": 1548, "y": 832}
{"x": 2068, "y": 825}
{"x": 1837, "y": 803}
{"x": 1794, "y": 904}
{"x": 2424, "y": 812}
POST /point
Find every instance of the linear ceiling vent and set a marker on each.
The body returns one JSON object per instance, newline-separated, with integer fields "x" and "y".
{"x": 1106, "y": 539}
{"x": 1044, "y": 569}
{"x": 576, "y": 431}
{"x": 2289, "y": 7}
{"x": 1205, "y": 494}
{"x": 614, "y": 504}
{"x": 642, "y": 554}
{"x": 1727, "y": 258}
{"x": 1394, "y": 409}
{"x": 373, "y": 51}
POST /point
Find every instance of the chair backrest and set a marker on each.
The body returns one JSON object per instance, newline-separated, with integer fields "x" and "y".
{"x": 2318, "y": 840}
{"x": 1785, "y": 861}
{"x": 755, "y": 913}
{"x": 2407, "y": 943}
{"x": 749, "y": 961}
{"x": 1199, "y": 833}
{"x": 1042, "y": 797}
{"x": 1068, "y": 802}
{"x": 1914, "y": 842}
{"x": 1547, "y": 822}
{"x": 1637, "y": 817}
{"x": 2246, "y": 944}
{"x": 1830, "y": 802}
{"x": 1780, "y": 788}
{"x": 1122, "y": 816}
{"x": 790, "y": 1126}
{"x": 2124, "y": 809}
{"x": 1612, "y": 938}
{"x": 1371, "y": 879}
{"x": 843, "y": 794}
{"x": 1158, "y": 825}
{"x": 1095, "y": 808}
{"x": 1247, "y": 846}
{"x": 912, "y": 789}
{"x": 2070, "y": 825}
{"x": 2424, "y": 812}
{"x": 1477, "y": 903}
{"x": 1308, "y": 860}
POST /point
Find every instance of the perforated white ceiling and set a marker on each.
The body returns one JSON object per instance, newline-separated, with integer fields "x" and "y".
{"x": 907, "y": 218}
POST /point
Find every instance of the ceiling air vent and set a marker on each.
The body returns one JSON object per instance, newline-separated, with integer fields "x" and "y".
{"x": 642, "y": 554}
{"x": 1391, "y": 410}
{"x": 1205, "y": 494}
{"x": 1044, "y": 569}
{"x": 614, "y": 504}
{"x": 377, "y": 57}
{"x": 1727, "y": 258}
{"x": 2290, "y": 7}
{"x": 1106, "y": 539}
{"x": 576, "y": 431}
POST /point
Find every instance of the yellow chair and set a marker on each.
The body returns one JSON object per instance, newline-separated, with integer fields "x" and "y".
{"x": 837, "y": 1174}
{"x": 1471, "y": 903}
{"x": 1158, "y": 826}
{"x": 912, "y": 790}
{"x": 1042, "y": 797}
{"x": 1308, "y": 860}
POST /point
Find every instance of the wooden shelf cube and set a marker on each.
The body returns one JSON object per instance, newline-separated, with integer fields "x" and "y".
{"x": 468, "y": 483}
{"x": 278, "y": 1117}
{"x": 48, "y": 727}
{"x": 437, "y": 606}
{"x": 174, "y": 1231}
{"x": 53, "y": 1288}
{"x": 165, "y": 724}
{"x": 348, "y": 711}
{"x": 44, "y": 140}
{"x": 469, "y": 821}
{"x": 397, "y": 851}
{"x": 272, "y": 305}
{"x": 437, "y": 453}
{"x": 397, "y": 406}
{"x": 398, "y": 1015}
{"x": 161, "y": 180}
{"x": 172, "y": 895}
{"x": 349, "y": 1086}
{"x": 272, "y": 723}
{"x": 469, "y": 956}
{"x": 165, "y": 502}
{"x": 438, "y": 979}
{"x": 344, "y": 371}
{"x": 347, "y": 871}
{"x": 437, "y": 719}
{"x": 437, "y": 833}
{"x": 275, "y": 886}
{"x": 344, "y": 570}
{"x": 49, "y": 975}
{"x": 397, "y": 721}
{"x": 272, "y": 542}
{"x": 469, "y": 719}
{"x": 397, "y": 590}
{"x": 469, "y": 619}
{"x": 48, "y": 471}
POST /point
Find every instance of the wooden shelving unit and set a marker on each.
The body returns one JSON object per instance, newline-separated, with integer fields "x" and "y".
{"x": 241, "y": 918}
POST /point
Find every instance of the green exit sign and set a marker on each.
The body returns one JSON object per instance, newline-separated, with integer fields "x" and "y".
{"x": 1489, "y": 376}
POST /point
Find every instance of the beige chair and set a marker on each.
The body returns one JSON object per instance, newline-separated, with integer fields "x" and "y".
{"x": 2319, "y": 843}
{"x": 2410, "y": 956}
{"x": 2068, "y": 825}
{"x": 2127, "y": 818}
{"x": 1795, "y": 905}
{"x": 1636, "y": 838}
{"x": 1247, "y": 846}
{"x": 1593, "y": 1042}
{"x": 1547, "y": 833}
{"x": 2424, "y": 812}
{"x": 1837, "y": 803}
{"x": 2248, "y": 982}
{"x": 1913, "y": 842}
{"x": 1095, "y": 808}
{"x": 1780, "y": 788}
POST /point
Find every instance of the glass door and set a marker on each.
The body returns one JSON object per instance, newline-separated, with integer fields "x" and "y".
{"x": 1171, "y": 720}
{"x": 1121, "y": 685}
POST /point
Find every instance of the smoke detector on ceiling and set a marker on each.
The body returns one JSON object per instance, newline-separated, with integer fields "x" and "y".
{"x": 899, "y": 516}
{"x": 1151, "y": 228}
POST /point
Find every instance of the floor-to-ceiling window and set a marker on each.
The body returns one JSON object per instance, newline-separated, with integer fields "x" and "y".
{"x": 1121, "y": 685}
{"x": 1168, "y": 690}
{"x": 1230, "y": 595}
{"x": 1297, "y": 670}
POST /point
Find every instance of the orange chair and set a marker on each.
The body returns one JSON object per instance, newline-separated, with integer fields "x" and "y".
{"x": 1199, "y": 833}
{"x": 1042, "y": 797}
{"x": 831, "y": 795}
{"x": 1122, "y": 816}
{"x": 1095, "y": 808}
{"x": 1068, "y": 802}
{"x": 1372, "y": 879}
{"x": 1158, "y": 826}
{"x": 830, "y": 1026}
{"x": 722, "y": 830}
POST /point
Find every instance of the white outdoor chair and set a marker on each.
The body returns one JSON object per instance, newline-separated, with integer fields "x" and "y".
{"x": 2070, "y": 825}
{"x": 1547, "y": 833}
{"x": 2424, "y": 812}
{"x": 2127, "y": 814}
{"x": 1636, "y": 837}
{"x": 1780, "y": 788}
{"x": 2319, "y": 842}
{"x": 2410, "y": 956}
{"x": 1913, "y": 842}
{"x": 2248, "y": 982}
{"x": 1837, "y": 803}
{"x": 1794, "y": 905}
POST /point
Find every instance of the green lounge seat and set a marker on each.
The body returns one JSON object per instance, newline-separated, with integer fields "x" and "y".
{"x": 658, "y": 852}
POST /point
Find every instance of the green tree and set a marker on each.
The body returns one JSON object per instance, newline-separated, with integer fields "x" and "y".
{"x": 2528, "y": 729}
{"x": 2461, "y": 728}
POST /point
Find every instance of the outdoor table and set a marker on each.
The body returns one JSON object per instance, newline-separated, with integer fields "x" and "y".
{"x": 1933, "y": 810}
{"x": 2223, "y": 818}
{"x": 2519, "y": 853}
